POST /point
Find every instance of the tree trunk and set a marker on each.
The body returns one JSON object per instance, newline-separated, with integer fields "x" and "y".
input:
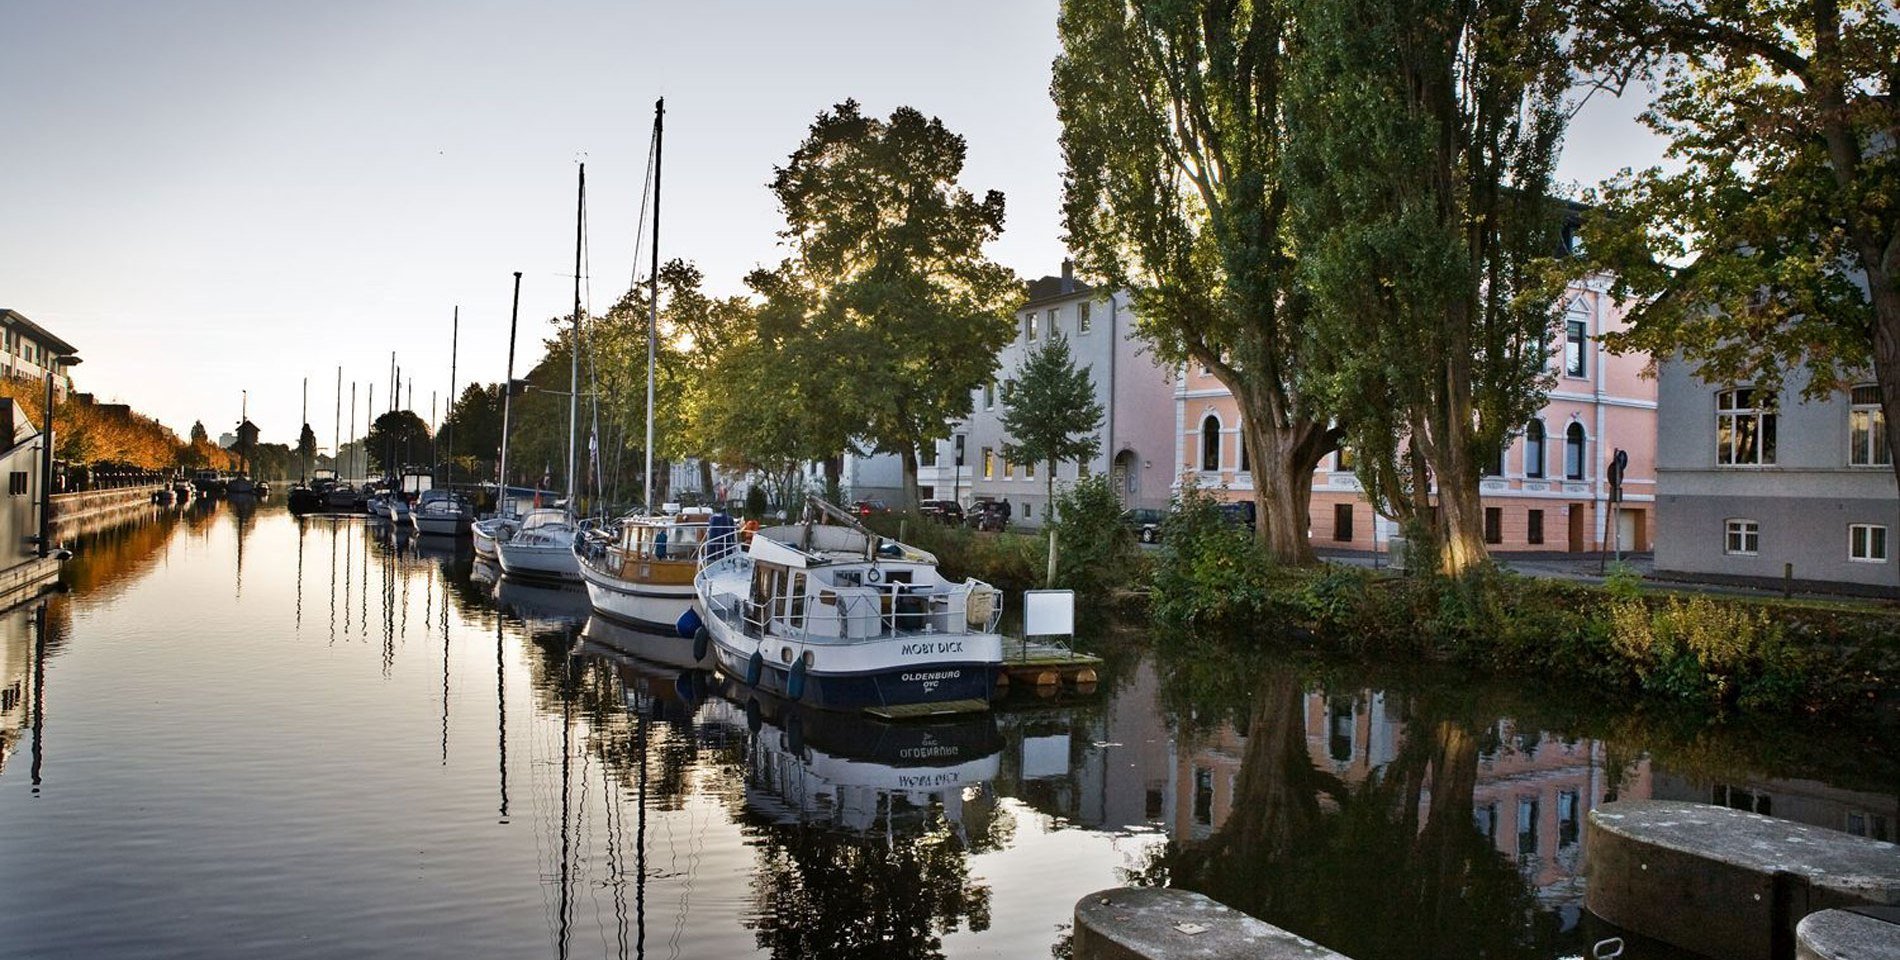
{"x": 1283, "y": 461}
{"x": 908, "y": 457}
{"x": 706, "y": 477}
{"x": 834, "y": 472}
{"x": 1049, "y": 492}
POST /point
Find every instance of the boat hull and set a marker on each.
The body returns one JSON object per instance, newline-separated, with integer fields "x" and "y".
{"x": 894, "y": 671}
{"x": 652, "y": 607}
{"x": 538, "y": 561}
{"x": 451, "y": 526}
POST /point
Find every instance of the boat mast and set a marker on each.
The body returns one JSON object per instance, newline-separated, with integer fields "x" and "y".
{"x": 653, "y": 297}
{"x": 336, "y": 430}
{"x": 574, "y": 355}
{"x": 507, "y": 401}
{"x": 455, "y": 336}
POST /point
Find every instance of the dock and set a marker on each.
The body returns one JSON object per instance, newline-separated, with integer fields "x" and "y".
{"x": 1046, "y": 667}
{"x": 923, "y": 711}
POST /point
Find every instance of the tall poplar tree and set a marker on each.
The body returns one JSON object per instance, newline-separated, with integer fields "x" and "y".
{"x": 1424, "y": 136}
{"x": 1173, "y": 132}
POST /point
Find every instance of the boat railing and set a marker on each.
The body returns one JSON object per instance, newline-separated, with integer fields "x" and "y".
{"x": 872, "y": 612}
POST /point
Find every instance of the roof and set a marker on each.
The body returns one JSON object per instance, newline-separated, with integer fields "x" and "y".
{"x": 1051, "y": 288}
{"x": 14, "y": 318}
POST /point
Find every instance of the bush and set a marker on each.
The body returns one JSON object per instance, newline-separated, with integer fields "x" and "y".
{"x": 1096, "y": 551}
{"x": 755, "y": 504}
{"x": 1209, "y": 572}
{"x": 1719, "y": 654}
{"x": 1006, "y": 561}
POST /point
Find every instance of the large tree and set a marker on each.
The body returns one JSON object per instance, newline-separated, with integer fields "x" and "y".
{"x": 1772, "y": 239}
{"x": 396, "y": 439}
{"x": 887, "y": 257}
{"x": 1050, "y": 413}
{"x": 1424, "y": 136}
{"x": 306, "y": 449}
{"x": 1173, "y": 129}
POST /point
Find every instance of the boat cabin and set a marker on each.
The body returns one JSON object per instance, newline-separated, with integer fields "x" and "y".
{"x": 841, "y": 585}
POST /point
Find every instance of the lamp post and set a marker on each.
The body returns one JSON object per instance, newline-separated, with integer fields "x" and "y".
{"x": 46, "y": 455}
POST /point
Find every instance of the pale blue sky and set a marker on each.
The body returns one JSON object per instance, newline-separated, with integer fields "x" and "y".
{"x": 212, "y": 196}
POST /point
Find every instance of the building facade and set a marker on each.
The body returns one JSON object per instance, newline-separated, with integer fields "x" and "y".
{"x": 1766, "y": 485}
{"x": 1132, "y": 388}
{"x": 1550, "y": 491}
{"x": 29, "y": 350}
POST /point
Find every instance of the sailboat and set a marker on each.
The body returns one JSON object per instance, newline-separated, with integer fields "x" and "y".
{"x": 639, "y": 569}
{"x": 543, "y": 547}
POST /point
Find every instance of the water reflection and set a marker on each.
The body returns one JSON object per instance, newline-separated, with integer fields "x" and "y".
{"x": 463, "y": 765}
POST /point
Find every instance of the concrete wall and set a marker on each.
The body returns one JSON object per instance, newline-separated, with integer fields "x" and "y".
{"x": 1803, "y": 503}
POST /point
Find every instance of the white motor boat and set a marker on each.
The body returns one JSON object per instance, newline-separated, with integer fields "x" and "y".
{"x": 543, "y": 547}
{"x": 444, "y": 514}
{"x": 839, "y": 618}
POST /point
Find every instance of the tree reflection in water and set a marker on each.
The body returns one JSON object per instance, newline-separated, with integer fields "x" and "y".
{"x": 1320, "y": 853}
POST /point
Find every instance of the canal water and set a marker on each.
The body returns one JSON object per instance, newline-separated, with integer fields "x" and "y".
{"x": 244, "y": 734}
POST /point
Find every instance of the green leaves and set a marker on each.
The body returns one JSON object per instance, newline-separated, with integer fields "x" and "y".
{"x": 1051, "y": 415}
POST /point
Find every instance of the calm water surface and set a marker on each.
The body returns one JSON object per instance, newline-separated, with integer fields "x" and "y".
{"x": 241, "y": 734}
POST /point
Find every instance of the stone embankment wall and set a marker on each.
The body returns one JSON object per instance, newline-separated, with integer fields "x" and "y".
{"x": 69, "y": 508}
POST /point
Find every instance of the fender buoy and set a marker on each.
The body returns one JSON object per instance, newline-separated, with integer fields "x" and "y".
{"x": 702, "y": 641}
{"x": 795, "y": 735}
{"x": 683, "y": 685}
{"x": 795, "y": 685}
{"x": 689, "y": 623}
{"x": 754, "y": 668}
{"x": 754, "y": 719}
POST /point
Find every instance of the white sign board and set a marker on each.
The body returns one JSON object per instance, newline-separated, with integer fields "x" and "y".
{"x": 1049, "y": 613}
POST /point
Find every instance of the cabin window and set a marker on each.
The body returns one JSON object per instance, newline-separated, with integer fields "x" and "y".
{"x": 795, "y": 614}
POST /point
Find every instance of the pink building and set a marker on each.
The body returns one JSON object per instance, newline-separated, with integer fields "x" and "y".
{"x": 1551, "y": 492}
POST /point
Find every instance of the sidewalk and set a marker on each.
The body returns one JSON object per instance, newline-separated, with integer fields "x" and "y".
{"x": 1585, "y": 567}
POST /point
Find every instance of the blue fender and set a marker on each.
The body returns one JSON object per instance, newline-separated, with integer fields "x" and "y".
{"x": 754, "y": 669}
{"x": 689, "y": 623}
{"x": 795, "y": 684}
{"x": 702, "y": 642}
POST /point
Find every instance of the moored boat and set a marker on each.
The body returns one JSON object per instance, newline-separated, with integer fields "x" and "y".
{"x": 639, "y": 569}
{"x": 542, "y": 547}
{"x": 834, "y": 616}
{"x": 443, "y": 514}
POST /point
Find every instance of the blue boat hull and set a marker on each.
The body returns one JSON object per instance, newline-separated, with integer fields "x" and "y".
{"x": 925, "y": 683}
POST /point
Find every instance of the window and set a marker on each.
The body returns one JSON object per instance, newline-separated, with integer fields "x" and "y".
{"x": 16, "y": 483}
{"x": 1029, "y": 327}
{"x": 1082, "y": 468}
{"x": 1487, "y": 821}
{"x": 1569, "y": 819}
{"x": 1573, "y": 452}
{"x": 1342, "y": 461}
{"x": 1527, "y": 826}
{"x": 989, "y": 463}
{"x": 1493, "y": 524}
{"x": 1494, "y": 465}
{"x": 1009, "y": 469}
{"x": 1574, "y": 335}
{"x": 1342, "y": 522}
{"x": 1210, "y": 443}
{"x": 1203, "y": 797}
{"x": 1029, "y": 470}
{"x": 1534, "y": 527}
{"x": 1082, "y": 322}
{"x": 928, "y": 456}
{"x": 1029, "y": 510}
{"x": 1055, "y": 314}
{"x": 1745, "y": 427}
{"x": 1867, "y": 543}
{"x": 1245, "y": 464}
{"x": 1867, "y": 429}
{"x": 1743, "y": 538}
{"x": 989, "y": 395}
{"x": 1534, "y": 449}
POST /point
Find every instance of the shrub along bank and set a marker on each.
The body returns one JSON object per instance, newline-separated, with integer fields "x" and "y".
{"x": 1721, "y": 654}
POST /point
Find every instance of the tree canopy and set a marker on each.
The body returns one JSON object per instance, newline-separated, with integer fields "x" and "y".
{"x": 397, "y": 439}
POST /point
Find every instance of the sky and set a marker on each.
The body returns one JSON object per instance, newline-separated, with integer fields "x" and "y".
{"x": 210, "y": 198}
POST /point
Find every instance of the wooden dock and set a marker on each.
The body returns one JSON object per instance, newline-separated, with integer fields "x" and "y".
{"x": 1046, "y": 667}
{"x": 921, "y": 711}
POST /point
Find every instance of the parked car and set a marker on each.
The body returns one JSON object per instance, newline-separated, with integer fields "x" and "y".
{"x": 1240, "y": 513}
{"x": 1145, "y": 522}
{"x": 865, "y": 508}
{"x": 988, "y": 515}
{"x": 942, "y": 511}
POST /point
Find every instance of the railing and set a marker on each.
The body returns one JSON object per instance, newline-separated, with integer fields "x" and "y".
{"x": 893, "y": 610}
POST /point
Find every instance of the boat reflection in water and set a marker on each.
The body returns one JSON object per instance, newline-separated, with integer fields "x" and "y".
{"x": 673, "y": 651}
{"x": 541, "y": 600}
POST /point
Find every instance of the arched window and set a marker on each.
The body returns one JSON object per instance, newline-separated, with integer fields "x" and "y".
{"x": 1210, "y": 443}
{"x": 1573, "y": 451}
{"x": 1534, "y": 450}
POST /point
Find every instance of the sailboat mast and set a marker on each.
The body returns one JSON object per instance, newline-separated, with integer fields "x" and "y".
{"x": 507, "y": 402}
{"x": 653, "y": 297}
{"x": 574, "y": 355}
{"x": 455, "y": 336}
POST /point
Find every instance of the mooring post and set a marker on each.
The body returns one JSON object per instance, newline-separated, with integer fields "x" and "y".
{"x": 1051, "y": 581}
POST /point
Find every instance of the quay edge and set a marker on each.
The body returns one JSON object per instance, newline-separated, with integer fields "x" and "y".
{"x": 1148, "y": 923}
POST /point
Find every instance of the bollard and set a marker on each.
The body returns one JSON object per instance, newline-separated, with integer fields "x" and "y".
{"x": 1787, "y": 581}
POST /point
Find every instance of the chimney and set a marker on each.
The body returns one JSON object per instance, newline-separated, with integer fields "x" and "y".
{"x": 1068, "y": 275}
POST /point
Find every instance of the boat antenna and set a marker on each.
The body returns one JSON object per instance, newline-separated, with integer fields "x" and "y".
{"x": 653, "y": 305}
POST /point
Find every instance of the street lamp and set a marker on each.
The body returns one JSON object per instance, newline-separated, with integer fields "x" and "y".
{"x": 57, "y": 362}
